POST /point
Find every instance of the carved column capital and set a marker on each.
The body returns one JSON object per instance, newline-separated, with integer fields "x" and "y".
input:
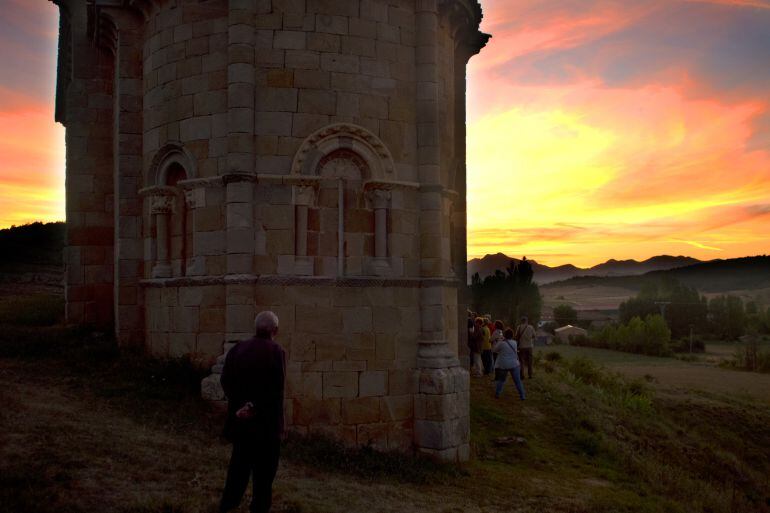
{"x": 162, "y": 204}
{"x": 304, "y": 195}
{"x": 378, "y": 198}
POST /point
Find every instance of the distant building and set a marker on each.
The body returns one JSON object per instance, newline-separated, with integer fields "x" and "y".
{"x": 565, "y": 332}
{"x": 597, "y": 318}
{"x": 543, "y": 338}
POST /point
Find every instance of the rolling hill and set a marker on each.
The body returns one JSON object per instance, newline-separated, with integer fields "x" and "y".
{"x": 747, "y": 273}
{"x": 544, "y": 274}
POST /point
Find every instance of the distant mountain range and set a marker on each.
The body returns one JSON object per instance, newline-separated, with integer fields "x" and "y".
{"x": 715, "y": 276}
{"x": 487, "y": 265}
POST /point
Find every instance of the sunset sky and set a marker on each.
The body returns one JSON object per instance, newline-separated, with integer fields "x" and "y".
{"x": 597, "y": 129}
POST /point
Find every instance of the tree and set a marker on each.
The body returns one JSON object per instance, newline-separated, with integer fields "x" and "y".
{"x": 727, "y": 316}
{"x": 637, "y": 307}
{"x": 508, "y": 295}
{"x": 564, "y": 314}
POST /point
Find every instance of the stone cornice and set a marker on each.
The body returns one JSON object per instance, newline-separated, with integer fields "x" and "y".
{"x": 389, "y": 185}
{"x": 158, "y": 190}
{"x": 307, "y": 281}
{"x": 465, "y": 17}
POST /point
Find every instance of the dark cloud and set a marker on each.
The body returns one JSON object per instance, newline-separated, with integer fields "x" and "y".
{"x": 724, "y": 49}
{"x": 28, "y": 38}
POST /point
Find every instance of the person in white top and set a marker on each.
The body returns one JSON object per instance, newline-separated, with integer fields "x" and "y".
{"x": 507, "y": 362}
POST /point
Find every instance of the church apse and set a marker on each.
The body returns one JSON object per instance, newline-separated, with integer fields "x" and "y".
{"x": 304, "y": 158}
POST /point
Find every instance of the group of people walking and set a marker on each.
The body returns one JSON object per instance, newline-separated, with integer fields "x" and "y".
{"x": 500, "y": 349}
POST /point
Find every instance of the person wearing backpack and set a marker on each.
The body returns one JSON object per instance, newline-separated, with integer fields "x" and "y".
{"x": 525, "y": 336}
{"x": 507, "y": 363}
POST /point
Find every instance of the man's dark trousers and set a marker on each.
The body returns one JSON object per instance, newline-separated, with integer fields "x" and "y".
{"x": 258, "y": 459}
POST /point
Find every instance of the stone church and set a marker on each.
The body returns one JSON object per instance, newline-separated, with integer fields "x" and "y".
{"x": 302, "y": 156}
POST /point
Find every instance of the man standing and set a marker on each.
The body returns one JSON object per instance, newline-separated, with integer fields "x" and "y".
{"x": 253, "y": 380}
{"x": 525, "y": 336}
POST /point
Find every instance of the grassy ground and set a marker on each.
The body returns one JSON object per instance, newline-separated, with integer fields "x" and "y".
{"x": 85, "y": 429}
{"x": 700, "y": 375}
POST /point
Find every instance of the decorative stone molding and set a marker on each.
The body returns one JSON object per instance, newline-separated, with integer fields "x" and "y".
{"x": 307, "y": 281}
{"x": 173, "y": 152}
{"x": 343, "y": 136}
{"x": 378, "y": 198}
{"x": 199, "y": 183}
{"x": 239, "y": 177}
{"x": 162, "y": 205}
{"x": 389, "y": 185}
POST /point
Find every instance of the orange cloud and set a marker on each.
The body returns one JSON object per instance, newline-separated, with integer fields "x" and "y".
{"x": 32, "y": 165}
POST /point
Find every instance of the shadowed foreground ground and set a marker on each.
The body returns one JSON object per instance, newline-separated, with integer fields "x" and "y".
{"x": 85, "y": 430}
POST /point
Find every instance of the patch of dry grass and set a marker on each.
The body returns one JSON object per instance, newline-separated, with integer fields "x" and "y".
{"x": 86, "y": 430}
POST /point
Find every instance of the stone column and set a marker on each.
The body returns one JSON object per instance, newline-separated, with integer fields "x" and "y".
{"x": 380, "y": 200}
{"x": 85, "y": 81}
{"x": 442, "y": 422}
{"x": 194, "y": 198}
{"x": 128, "y": 141}
{"x": 304, "y": 197}
{"x": 241, "y": 80}
{"x": 340, "y": 228}
{"x": 162, "y": 207}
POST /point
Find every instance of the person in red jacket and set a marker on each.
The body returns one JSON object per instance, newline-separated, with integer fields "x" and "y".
{"x": 253, "y": 379}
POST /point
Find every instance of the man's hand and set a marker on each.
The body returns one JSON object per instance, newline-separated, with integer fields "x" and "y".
{"x": 246, "y": 411}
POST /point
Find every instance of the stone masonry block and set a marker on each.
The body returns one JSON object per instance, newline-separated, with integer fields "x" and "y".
{"x": 373, "y": 435}
{"x": 398, "y": 407}
{"x": 387, "y": 319}
{"x": 318, "y": 319}
{"x": 436, "y": 381}
{"x": 277, "y": 99}
{"x": 340, "y": 384}
{"x": 312, "y": 385}
{"x": 302, "y": 59}
{"x": 340, "y": 63}
{"x": 319, "y": 42}
{"x": 309, "y": 411}
{"x": 403, "y": 381}
{"x": 362, "y": 410}
{"x": 181, "y": 344}
{"x": 373, "y": 383}
{"x": 289, "y": 40}
{"x": 240, "y": 318}
{"x": 331, "y": 24}
{"x": 357, "y": 319}
{"x": 317, "y": 101}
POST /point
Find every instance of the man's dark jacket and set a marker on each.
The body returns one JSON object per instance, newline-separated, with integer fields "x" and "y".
{"x": 254, "y": 371}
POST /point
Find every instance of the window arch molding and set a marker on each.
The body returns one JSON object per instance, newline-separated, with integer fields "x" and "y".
{"x": 164, "y": 160}
{"x": 344, "y": 136}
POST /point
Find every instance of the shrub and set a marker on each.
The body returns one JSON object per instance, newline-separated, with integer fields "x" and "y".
{"x": 650, "y": 336}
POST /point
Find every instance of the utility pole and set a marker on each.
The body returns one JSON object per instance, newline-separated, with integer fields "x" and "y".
{"x": 691, "y": 327}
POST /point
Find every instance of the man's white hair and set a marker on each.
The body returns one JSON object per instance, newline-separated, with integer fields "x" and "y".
{"x": 265, "y": 322}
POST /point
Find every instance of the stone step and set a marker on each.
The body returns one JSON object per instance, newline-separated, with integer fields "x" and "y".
{"x": 211, "y": 389}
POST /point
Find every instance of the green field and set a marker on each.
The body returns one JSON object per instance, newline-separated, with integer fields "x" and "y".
{"x": 703, "y": 375}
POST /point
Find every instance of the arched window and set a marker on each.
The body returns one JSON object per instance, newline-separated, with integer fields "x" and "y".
{"x": 170, "y": 218}
{"x": 345, "y": 225}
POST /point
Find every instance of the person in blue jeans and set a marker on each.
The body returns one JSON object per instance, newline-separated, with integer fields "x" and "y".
{"x": 507, "y": 362}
